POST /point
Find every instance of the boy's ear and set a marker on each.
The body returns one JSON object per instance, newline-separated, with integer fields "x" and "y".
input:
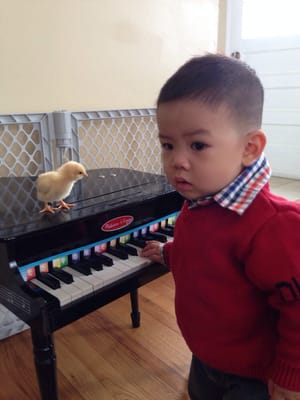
{"x": 254, "y": 146}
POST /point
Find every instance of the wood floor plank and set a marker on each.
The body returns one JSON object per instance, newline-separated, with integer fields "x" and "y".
{"x": 17, "y": 369}
{"x": 101, "y": 357}
{"x": 156, "y": 335}
{"x": 131, "y": 359}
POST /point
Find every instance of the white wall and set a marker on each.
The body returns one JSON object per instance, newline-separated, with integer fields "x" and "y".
{"x": 96, "y": 54}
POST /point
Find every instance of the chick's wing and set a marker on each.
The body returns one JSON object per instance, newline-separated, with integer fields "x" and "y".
{"x": 45, "y": 185}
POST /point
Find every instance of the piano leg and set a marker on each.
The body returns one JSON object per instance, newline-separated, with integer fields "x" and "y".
{"x": 135, "y": 314}
{"x": 45, "y": 359}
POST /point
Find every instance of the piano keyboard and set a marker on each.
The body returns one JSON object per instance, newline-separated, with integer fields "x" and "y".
{"x": 70, "y": 276}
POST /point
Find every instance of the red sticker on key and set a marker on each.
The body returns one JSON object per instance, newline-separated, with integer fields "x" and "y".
{"x": 117, "y": 223}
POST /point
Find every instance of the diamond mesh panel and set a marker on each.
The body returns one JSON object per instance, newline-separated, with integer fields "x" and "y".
{"x": 18, "y": 196}
{"x": 24, "y": 151}
{"x": 24, "y": 148}
{"x": 121, "y": 139}
{"x": 10, "y": 324}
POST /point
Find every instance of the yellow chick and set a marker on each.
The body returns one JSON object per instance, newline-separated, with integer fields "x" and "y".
{"x": 57, "y": 185}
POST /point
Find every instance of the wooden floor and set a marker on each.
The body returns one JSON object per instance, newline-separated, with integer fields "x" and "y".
{"x": 100, "y": 357}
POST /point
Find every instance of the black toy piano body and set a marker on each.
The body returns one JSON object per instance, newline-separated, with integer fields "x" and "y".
{"x": 56, "y": 268}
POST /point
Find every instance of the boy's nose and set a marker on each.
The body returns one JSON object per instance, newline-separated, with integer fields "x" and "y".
{"x": 180, "y": 161}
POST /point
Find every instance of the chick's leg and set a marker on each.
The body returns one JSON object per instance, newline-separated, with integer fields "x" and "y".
{"x": 64, "y": 205}
{"x": 47, "y": 209}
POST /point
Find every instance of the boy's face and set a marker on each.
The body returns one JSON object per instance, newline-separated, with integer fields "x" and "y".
{"x": 202, "y": 148}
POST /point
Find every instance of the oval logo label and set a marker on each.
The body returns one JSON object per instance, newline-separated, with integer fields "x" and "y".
{"x": 117, "y": 223}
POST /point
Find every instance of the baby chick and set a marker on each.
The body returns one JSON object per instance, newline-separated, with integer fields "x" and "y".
{"x": 57, "y": 185}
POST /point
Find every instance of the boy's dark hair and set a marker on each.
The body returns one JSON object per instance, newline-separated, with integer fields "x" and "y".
{"x": 216, "y": 79}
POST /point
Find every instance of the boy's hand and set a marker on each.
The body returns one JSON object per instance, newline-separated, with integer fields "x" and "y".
{"x": 153, "y": 251}
{"x": 278, "y": 393}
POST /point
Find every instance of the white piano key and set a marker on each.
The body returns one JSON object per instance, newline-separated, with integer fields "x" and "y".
{"x": 110, "y": 274}
{"x": 138, "y": 262}
{"x": 85, "y": 287}
{"x": 94, "y": 281}
{"x": 72, "y": 289}
{"x": 132, "y": 263}
{"x": 63, "y": 297}
{"x": 123, "y": 264}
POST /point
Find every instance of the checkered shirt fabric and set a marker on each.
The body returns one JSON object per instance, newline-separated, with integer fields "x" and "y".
{"x": 240, "y": 193}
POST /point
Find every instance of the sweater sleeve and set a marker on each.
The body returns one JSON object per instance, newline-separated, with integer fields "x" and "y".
{"x": 273, "y": 265}
{"x": 166, "y": 253}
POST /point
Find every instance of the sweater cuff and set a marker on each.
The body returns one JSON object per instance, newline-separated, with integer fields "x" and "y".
{"x": 286, "y": 376}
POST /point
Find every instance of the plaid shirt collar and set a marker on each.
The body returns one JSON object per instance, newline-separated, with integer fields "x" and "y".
{"x": 240, "y": 193}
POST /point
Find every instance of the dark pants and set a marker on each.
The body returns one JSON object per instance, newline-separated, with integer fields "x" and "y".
{"x": 206, "y": 383}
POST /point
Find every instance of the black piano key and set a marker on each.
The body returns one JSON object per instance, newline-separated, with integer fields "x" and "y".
{"x": 48, "y": 280}
{"x": 96, "y": 266}
{"x": 81, "y": 267}
{"x": 94, "y": 263}
{"x": 138, "y": 242}
{"x": 152, "y": 236}
{"x": 62, "y": 275}
{"x": 120, "y": 253}
{"x": 105, "y": 260}
{"x": 168, "y": 230}
{"x": 146, "y": 237}
{"x": 158, "y": 236}
{"x": 129, "y": 249}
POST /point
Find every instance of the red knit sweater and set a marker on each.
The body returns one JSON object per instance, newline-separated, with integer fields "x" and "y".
{"x": 238, "y": 287}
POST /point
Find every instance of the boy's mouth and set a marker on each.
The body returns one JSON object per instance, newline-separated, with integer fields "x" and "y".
{"x": 180, "y": 180}
{"x": 182, "y": 184}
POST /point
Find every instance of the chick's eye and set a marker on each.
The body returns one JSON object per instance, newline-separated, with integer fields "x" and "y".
{"x": 166, "y": 146}
{"x": 198, "y": 146}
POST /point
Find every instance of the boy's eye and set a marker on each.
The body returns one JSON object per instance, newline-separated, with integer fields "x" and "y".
{"x": 198, "y": 146}
{"x": 166, "y": 146}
